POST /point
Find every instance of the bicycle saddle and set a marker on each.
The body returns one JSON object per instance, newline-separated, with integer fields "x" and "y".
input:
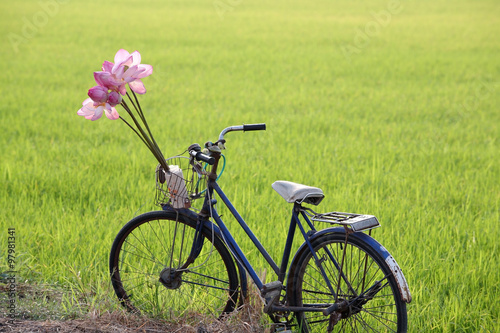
{"x": 293, "y": 192}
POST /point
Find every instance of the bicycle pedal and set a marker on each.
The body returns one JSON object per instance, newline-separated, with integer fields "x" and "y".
{"x": 283, "y": 330}
{"x": 271, "y": 293}
{"x": 272, "y": 288}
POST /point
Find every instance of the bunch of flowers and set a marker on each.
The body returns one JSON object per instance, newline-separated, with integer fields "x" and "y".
{"x": 111, "y": 88}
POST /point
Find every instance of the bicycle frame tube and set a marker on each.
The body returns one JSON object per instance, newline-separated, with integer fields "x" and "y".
{"x": 236, "y": 250}
{"x": 232, "y": 243}
{"x": 288, "y": 248}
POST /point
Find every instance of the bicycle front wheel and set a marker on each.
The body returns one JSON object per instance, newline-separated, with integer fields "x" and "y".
{"x": 366, "y": 289}
{"x": 155, "y": 268}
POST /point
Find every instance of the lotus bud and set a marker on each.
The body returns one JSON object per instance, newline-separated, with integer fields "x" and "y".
{"x": 98, "y": 94}
{"x": 114, "y": 98}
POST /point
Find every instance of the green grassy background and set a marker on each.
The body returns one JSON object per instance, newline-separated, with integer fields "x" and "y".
{"x": 405, "y": 128}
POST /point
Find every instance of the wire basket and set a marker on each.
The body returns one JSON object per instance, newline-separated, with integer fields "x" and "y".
{"x": 181, "y": 184}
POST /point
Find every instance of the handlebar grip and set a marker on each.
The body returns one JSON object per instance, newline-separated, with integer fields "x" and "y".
{"x": 205, "y": 158}
{"x": 195, "y": 151}
{"x": 254, "y": 127}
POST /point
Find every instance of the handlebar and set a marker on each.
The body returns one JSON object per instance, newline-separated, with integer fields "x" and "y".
{"x": 244, "y": 128}
{"x": 195, "y": 149}
{"x": 254, "y": 127}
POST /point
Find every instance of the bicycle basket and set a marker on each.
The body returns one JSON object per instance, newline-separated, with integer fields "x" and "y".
{"x": 181, "y": 184}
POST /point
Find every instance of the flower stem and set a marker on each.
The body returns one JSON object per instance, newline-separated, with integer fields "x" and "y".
{"x": 133, "y": 129}
{"x": 138, "y": 108}
{"x": 153, "y": 147}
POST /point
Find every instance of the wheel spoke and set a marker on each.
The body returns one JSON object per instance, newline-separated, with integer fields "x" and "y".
{"x": 137, "y": 263}
{"x": 366, "y": 287}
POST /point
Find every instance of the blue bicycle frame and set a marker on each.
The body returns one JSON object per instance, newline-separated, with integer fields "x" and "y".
{"x": 272, "y": 291}
{"x": 209, "y": 206}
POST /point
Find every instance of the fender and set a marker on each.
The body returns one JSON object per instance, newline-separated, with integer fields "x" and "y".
{"x": 404, "y": 290}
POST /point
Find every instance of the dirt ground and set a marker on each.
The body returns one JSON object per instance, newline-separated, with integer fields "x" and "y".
{"x": 112, "y": 323}
{"x": 103, "y": 325}
{"x": 36, "y": 299}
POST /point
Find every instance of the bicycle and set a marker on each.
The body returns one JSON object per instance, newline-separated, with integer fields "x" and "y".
{"x": 180, "y": 262}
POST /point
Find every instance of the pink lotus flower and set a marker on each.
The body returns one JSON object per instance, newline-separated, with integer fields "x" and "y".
{"x": 93, "y": 111}
{"x": 114, "y": 98}
{"x": 112, "y": 84}
{"x": 99, "y": 94}
{"x": 107, "y": 80}
{"x": 126, "y": 69}
{"x": 128, "y": 66}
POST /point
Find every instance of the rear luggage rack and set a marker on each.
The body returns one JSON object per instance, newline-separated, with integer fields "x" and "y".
{"x": 357, "y": 222}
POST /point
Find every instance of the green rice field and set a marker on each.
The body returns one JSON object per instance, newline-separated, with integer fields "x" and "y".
{"x": 392, "y": 107}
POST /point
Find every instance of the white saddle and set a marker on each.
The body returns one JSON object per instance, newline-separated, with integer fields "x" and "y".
{"x": 293, "y": 192}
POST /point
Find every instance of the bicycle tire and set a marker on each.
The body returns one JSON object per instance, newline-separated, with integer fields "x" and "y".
{"x": 154, "y": 246}
{"x": 383, "y": 311}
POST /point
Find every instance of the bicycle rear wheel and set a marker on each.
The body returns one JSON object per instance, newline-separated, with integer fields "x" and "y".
{"x": 151, "y": 270}
{"x": 365, "y": 286}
